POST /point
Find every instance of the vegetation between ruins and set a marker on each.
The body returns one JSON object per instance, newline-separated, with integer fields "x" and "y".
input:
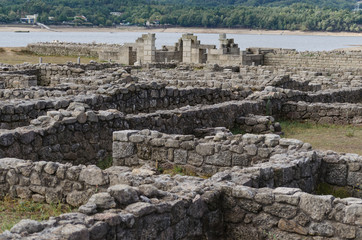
{"x": 181, "y": 171}
{"x": 340, "y": 138}
{"x": 13, "y": 210}
{"x": 336, "y": 191}
{"x": 105, "y": 163}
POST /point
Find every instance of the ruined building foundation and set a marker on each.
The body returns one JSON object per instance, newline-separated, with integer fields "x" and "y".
{"x": 58, "y": 121}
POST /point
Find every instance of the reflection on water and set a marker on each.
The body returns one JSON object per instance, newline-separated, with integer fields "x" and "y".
{"x": 301, "y": 43}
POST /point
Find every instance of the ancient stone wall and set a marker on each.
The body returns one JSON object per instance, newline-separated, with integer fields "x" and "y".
{"x": 67, "y": 49}
{"x": 18, "y": 113}
{"x": 124, "y": 55}
{"x": 343, "y": 170}
{"x": 130, "y": 98}
{"x": 73, "y": 122}
{"x": 49, "y": 74}
{"x": 17, "y": 81}
{"x": 156, "y": 214}
{"x": 322, "y": 113}
{"x": 51, "y": 181}
{"x": 168, "y": 56}
{"x": 84, "y": 136}
{"x": 287, "y": 213}
{"x": 80, "y": 139}
{"x": 338, "y": 59}
{"x": 223, "y": 59}
{"x": 231, "y": 204}
{"x": 192, "y": 51}
{"x": 203, "y": 156}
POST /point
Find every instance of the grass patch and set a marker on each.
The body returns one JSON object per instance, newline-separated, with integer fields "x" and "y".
{"x": 181, "y": 171}
{"x": 23, "y": 51}
{"x": 2, "y": 50}
{"x": 105, "y": 163}
{"x": 20, "y": 55}
{"x": 327, "y": 189}
{"x": 237, "y": 130}
{"x": 339, "y": 138}
{"x": 14, "y": 210}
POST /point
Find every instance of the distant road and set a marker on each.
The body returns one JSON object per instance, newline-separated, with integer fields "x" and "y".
{"x": 45, "y": 26}
{"x": 62, "y": 28}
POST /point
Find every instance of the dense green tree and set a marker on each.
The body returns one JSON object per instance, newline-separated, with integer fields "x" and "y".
{"x": 321, "y": 15}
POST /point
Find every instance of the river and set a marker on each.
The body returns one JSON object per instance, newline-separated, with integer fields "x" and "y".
{"x": 300, "y": 43}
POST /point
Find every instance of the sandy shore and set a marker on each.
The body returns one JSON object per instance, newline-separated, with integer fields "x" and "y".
{"x": 12, "y": 28}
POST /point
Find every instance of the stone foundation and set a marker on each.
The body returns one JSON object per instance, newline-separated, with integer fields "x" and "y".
{"x": 257, "y": 185}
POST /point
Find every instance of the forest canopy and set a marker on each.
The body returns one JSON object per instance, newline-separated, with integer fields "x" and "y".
{"x": 311, "y": 15}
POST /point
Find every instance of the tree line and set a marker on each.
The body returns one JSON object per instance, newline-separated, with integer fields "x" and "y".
{"x": 324, "y": 15}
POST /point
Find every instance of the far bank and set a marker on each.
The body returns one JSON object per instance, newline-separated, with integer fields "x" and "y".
{"x": 13, "y": 28}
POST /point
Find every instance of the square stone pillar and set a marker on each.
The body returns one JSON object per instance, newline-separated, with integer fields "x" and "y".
{"x": 149, "y": 48}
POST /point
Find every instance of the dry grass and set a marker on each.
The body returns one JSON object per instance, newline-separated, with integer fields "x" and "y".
{"x": 181, "y": 171}
{"x": 14, "y": 210}
{"x": 339, "y": 138}
{"x": 21, "y": 55}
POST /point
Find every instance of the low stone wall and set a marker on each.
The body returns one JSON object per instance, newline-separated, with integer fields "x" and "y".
{"x": 84, "y": 136}
{"x": 203, "y": 156}
{"x": 127, "y": 98}
{"x": 43, "y": 74}
{"x": 50, "y": 181}
{"x": 119, "y": 54}
{"x": 233, "y": 204}
{"x": 122, "y": 211}
{"x": 287, "y": 213}
{"x": 286, "y": 82}
{"x": 338, "y": 59}
{"x": 257, "y": 124}
{"x": 50, "y": 72}
{"x": 252, "y": 211}
{"x": 65, "y": 49}
{"x": 15, "y": 113}
{"x": 122, "y": 54}
{"x": 343, "y": 170}
{"x": 17, "y": 81}
{"x": 149, "y": 97}
{"x": 224, "y": 59}
{"x": 79, "y": 137}
{"x": 168, "y": 56}
{"x": 322, "y": 113}
{"x": 276, "y": 98}
{"x": 345, "y": 95}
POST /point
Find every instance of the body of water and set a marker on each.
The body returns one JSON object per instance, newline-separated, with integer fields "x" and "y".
{"x": 300, "y": 43}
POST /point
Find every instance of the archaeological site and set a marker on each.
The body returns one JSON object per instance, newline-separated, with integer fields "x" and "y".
{"x": 153, "y": 112}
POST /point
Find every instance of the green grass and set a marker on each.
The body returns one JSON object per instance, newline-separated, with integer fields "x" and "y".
{"x": 23, "y": 51}
{"x": 339, "y": 138}
{"x": 105, "y": 163}
{"x": 327, "y": 189}
{"x": 236, "y": 130}
{"x": 14, "y": 210}
{"x": 184, "y": 171}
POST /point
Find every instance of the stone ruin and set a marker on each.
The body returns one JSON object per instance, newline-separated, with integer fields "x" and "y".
{"x": 189, "y": 50}
{"x": 58, "y": 121}
{"x": 143, "y": 51}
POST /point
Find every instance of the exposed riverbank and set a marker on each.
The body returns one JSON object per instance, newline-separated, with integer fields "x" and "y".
{"x": 13, "y": 28}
